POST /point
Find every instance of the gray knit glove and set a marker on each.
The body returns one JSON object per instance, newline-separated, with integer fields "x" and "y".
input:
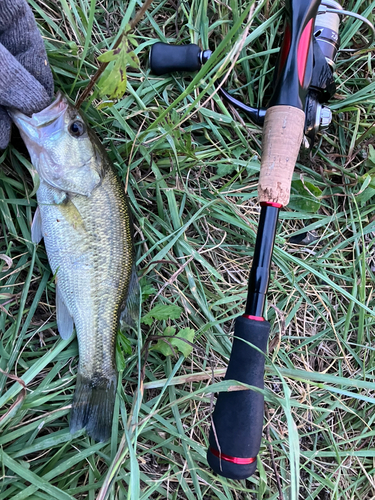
{"x": 26, "y": 81}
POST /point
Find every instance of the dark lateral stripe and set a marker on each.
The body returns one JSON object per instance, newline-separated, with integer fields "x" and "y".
{"x": 233, "y": 460}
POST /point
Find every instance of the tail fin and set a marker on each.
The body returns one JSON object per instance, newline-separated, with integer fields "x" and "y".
{"x": 93, "y": 404}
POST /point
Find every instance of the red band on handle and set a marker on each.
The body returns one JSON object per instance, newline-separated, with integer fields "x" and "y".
{"x": 270, "y": 204}
{"x": 255, "y": 318}
{"x": 233, "y": 460}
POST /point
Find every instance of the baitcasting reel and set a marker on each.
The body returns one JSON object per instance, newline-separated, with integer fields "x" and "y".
{"x": 165, "y": 58}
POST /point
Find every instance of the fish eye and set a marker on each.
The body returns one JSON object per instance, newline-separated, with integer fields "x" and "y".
{"x": 76, "y": 128}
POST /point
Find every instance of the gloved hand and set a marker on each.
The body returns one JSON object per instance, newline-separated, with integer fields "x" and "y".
{"x": 26, "y": 81}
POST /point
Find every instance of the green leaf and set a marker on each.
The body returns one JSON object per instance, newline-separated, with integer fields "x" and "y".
{"x": 169, "y": 331}
{"x": 304, "y": 196}
{"x": 184, "y": 347}
{"x": 179, "y": 342}
{"x": 107, "y": 56}
{"x": 225, "y": 169}
{"x": 133, "y": 60}
{"x": 370, "y": 162}
{"x": 367, "y": 190}
{"x": 114, "y": 80}
{"x": 162, "y": 312}
{"x": 133, "y": 40}
{"x": 146, "y": 289}
{"x": 127, "y": 29}
{"x": 73, "y": 47}
{"x": 163, "y": 345}
{"x": 106, "y": 103}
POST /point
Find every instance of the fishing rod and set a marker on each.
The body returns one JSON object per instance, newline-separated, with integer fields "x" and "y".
{"x": 303, "y": 82}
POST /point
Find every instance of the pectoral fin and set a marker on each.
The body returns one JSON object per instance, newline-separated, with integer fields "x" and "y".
{"x": 71, "y": 214}
{"x": 65, "y": 322}
{"x": 36, "y": 227}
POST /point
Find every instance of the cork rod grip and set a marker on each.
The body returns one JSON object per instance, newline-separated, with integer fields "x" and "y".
{"x": 282, "y": 136}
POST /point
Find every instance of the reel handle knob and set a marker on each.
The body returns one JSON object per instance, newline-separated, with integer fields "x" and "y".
{"x": 165, "y": 58}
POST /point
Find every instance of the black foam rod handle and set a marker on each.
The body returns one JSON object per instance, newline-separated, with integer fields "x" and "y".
{"x": 236, "y": 432}
{"x": 165, "y": 58}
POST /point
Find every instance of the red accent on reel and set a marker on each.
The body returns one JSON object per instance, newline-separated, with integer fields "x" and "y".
{"x": 303, "y": 50}
{"x": 284, "y": 51}
{"x": 255, "y": 318}
{"x": 233, "y": 460}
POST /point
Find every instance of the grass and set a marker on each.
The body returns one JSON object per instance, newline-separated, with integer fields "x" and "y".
{"x": 190, "y": 166}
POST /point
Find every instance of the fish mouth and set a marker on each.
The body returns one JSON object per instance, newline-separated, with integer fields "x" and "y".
{"x": 31, "y": 127}
{"x": 44, "y": 117}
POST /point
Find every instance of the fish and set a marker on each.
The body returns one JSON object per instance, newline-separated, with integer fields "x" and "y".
{"x": 83, "y": 215}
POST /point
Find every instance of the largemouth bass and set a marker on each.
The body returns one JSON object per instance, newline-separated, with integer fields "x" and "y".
{"x": 84, "y": 219}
